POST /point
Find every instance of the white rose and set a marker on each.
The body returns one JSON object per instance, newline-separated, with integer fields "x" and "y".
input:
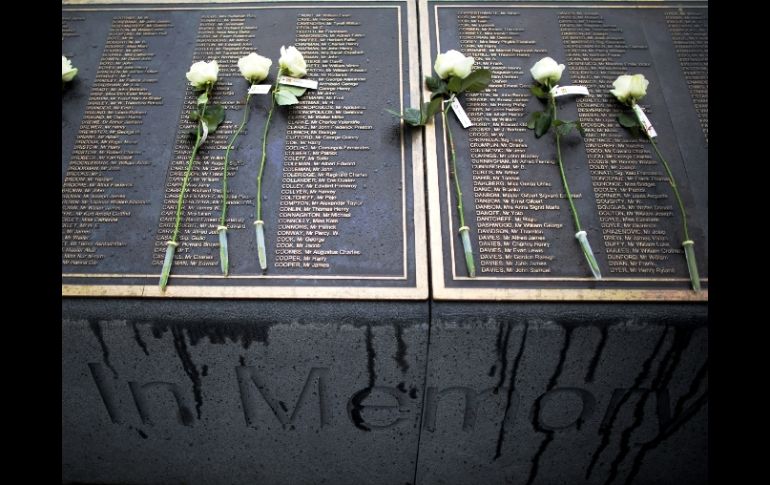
{"x": 622, "y": 87}
{"x": 292, "y": 62}
{"x": 629, "y": 89}
{"x": 639, "y": 86}
{"x": 546, "y": 71}
{"x": 202, "y": 73}
{"x": 67, "y": 71}
{"x": 254, "y": 67}
{"x": 453, "y": 63}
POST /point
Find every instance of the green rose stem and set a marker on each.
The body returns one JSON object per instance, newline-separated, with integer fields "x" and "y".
{"x": 173, "y": 243}
{"x": 464, "y": 230}
{"x": 222, "y": 228}
{"x": 580, "y": 235}
{"x": 259, "y": 223}
{"x": 688, "y": 243}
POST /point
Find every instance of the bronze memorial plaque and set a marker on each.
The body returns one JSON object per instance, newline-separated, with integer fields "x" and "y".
{"x": 341, "y": 205}
{"x": 525, "y": 240}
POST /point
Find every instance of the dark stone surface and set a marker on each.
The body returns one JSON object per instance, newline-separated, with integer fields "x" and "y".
{"x": 286, "y": 392}
{"x": 566, "y": 394}
{"x": 241, "y": 392}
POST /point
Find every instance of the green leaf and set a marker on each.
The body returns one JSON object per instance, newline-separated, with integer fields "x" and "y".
{"x": 394, "y": 113}
{"x": 295, "y": 90}
{"x": 285, "y": 98}
{"x": 538, "y": 91}
{"x": 476, "y": 81}
{"x": 194, "y": 115}
{"x": 533, "y": 119}
{"x": 627, "y": 121}
{"x": 430, "y": 109}
{"x": 432, "y": 82}
{"x": 440, "y": 93}
{"x": 580, "y": 129}
{"x": 203, "y": 98}
{"x": 435, "y": 83}
{"x": 455, "y": 84}
{"x": 542, "y": 125}
{"x": 418, "y": 117}
{"x": 413, "y": 116}
{"x": 215, "y": 114}
{"x": 563, "y": 128}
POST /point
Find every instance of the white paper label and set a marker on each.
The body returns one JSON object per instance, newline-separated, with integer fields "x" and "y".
{"x": 646, "y": 125}
{"x": 300, "y": 83}
{"x": 260, "y": 88}
{"x": 205, "y": 132}
{"x": 568, "y": 90}
{"x": 460, "y": 113}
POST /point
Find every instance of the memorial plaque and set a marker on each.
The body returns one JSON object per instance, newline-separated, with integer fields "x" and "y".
{"x": 342, "y": 194}
{"x": 515, "y": 204}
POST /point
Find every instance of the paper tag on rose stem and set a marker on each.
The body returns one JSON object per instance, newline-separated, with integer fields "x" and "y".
{"x": 460, "y": 113}
{"x": 205, "y": 132}
{"x": 300, "y": 83}
{"x": 646, "y": 125}
{"x": 558, "y": 91}
{"x": 260, "y": 88}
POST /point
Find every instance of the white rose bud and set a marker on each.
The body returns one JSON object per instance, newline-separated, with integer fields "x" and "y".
{"x": 622, "y": 87}
{"x": 67, "y": 71}
{"x": 202, "y": 73}
{"x": 639, "y": 86}
{"x": 453, "y": 63}
{"x": 292, "y": 62}
{"x": 254, "y": 67}
{"x": 546, "y": 71}
{"x": 629, "y": 89}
